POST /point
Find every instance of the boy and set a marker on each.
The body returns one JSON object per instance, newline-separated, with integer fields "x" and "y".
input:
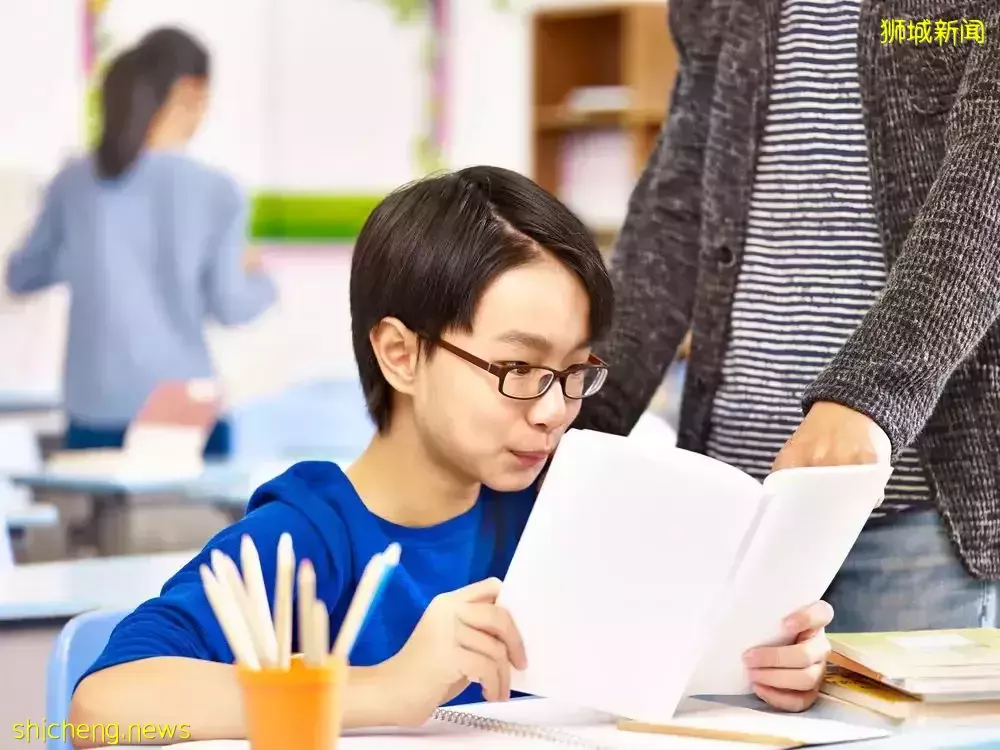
{"x": 474, "y": 299}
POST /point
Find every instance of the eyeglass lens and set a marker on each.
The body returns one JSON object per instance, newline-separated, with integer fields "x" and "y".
{"x": 530, "y": 382}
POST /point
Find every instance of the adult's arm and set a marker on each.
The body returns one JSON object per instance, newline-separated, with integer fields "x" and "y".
{"x": 943, "y": 293}
{"x": 655, "y": 263}
{"x": 234, "y": 294}
{"x": 36, "y": 263}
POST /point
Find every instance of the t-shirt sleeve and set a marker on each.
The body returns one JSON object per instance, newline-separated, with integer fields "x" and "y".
{"x": 37, "y": 263}
{"x": 180, "y": 622}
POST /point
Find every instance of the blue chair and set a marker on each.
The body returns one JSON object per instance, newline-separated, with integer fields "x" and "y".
{"x": 79, "y": 644}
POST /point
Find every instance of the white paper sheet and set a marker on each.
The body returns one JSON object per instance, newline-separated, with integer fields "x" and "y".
{"x": 812, "y": 519}
{"x": 626, "y": 554}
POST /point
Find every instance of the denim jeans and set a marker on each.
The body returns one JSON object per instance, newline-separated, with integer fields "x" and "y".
{"x": 904, "y": 574}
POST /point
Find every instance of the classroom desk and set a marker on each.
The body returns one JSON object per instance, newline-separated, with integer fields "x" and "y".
{"x": 106, "y": 526}
{"x": 36, "y": 515}
{"x": 322, "y": 419}
{"x": 229, "y": 486}
{"x": 940, "y": 739}
{"x": 226, "y": 485}
{"x": 42, "y": 410}
{"x": 36, "y": 600}
{"x": 24, "y": 401}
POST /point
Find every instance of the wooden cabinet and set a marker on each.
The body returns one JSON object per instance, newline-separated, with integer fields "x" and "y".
{"x": 621, "y": 49}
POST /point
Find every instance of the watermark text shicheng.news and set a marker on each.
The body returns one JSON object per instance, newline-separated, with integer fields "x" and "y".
{"x": 107, "y": 734}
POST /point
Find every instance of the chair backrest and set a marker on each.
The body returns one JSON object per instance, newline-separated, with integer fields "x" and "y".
{"x": 79, "y": 644}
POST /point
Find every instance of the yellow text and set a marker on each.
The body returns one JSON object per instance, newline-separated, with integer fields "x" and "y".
{"x": 895, "y": 31}
{"x": 105, "y": 734}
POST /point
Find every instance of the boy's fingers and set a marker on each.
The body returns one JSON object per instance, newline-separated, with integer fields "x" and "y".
{"x": 785, "y": 700}
{"x": 497, "y": 622}
{"x": 483, "y": 670}
{"x": 486, "y": 590}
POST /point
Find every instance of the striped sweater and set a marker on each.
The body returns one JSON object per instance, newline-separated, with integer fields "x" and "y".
{"x": 812, "y": 258}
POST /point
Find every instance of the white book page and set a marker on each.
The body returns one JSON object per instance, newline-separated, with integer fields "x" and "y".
{"x": 151, "y": 452}
{"x": 626, "y": 553}
{"x": 812, "y": 518}
{"x": 172, "y": 446}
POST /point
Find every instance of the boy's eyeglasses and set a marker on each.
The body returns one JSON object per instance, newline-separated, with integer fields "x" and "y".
{"x": 525, "y": 382}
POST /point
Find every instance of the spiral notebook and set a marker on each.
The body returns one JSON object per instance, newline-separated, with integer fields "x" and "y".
{"x": 698, "y": 725}
{"x": 543, "y": 724}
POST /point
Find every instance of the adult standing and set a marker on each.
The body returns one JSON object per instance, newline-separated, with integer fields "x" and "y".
{"x": 822, "y": 210}
{"x": 150, "y": 242}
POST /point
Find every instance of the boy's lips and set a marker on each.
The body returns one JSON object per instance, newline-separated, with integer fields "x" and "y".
{"x": 530, "y": 458}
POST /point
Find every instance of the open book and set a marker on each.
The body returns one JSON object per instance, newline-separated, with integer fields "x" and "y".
{"x": 166, "y": 439}
{"x": 643, "y": 575}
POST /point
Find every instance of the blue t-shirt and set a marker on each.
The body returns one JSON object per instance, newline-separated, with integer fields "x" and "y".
{"x": 317, "y": 505}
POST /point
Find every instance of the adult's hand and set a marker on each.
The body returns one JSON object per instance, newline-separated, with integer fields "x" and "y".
{"x": 834, "y": 435}
{"x": 252, "y": 262}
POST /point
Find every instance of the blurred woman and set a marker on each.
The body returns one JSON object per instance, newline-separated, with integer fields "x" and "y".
{"x": 150, "y": 242}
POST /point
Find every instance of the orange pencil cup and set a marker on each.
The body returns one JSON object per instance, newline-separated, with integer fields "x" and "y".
{"x": 298, "y": 708}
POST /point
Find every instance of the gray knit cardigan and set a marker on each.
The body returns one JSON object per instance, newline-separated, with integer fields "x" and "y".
{"x": 925, "y": 362}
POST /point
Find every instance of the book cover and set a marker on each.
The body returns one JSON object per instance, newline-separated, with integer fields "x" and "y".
{"x": 927, "y": 653}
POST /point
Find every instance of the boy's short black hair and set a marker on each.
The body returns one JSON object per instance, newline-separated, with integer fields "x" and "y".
{"x": 428, "y": 251}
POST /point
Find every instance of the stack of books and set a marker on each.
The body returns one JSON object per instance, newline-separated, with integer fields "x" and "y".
{"x": 931, "y": 676}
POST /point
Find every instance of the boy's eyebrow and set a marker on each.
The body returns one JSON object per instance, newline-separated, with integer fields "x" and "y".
{"x": 532, "y": 341}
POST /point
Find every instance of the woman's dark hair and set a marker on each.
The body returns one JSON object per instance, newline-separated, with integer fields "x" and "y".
{"x": 135, "y": 88}
{"x": 428, "y": 251}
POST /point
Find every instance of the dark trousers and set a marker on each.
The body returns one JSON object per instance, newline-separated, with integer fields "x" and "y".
{"x": 81, "y": 437}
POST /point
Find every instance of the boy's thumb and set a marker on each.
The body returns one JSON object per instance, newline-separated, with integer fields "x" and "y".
{"x": 486, "y": 590}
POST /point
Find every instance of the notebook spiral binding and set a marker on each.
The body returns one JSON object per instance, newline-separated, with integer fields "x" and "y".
{"x": 524, "y": 731}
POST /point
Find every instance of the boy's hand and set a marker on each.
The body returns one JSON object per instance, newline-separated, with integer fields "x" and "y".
{"x": 788, "y": 677}
{"x": 462, "y": 637}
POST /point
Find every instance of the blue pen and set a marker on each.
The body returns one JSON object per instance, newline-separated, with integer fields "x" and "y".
{"x": 381, "y": 566}
{"x": 390, "y": 559}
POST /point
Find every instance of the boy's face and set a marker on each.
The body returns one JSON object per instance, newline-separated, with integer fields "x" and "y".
{"x": 537, "y": 314}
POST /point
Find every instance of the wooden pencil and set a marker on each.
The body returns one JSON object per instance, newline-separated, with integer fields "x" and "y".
{"x": 306, "y": 599}
{"x": 227, "y": 574}
{"x": 285, "y": 573}
{"x": 253, "y": 578}
{"x": 230, "y": 619}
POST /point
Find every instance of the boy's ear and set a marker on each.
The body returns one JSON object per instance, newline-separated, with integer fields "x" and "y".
{"x": 397, "y": 350}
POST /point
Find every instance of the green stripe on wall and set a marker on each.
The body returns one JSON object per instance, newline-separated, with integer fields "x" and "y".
{"x": 284, "y": 217}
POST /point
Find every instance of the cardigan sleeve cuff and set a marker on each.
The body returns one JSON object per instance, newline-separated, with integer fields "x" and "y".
{"x": 891, "y": 409}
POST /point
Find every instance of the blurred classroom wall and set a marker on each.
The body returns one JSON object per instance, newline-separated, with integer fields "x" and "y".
{"x": 318, "y": 107}
{"x": 325, "y": 99}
